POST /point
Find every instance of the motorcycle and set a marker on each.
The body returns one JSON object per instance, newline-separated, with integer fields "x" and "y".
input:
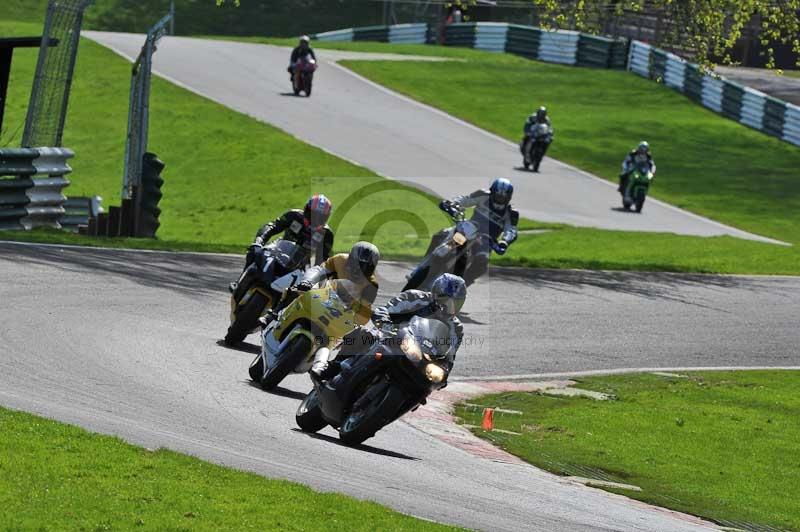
{"x": 277, "y": 267}
{"x": 638, "y": 184}
{"x": 304, "y": 75}
{"x": 534, "y": 145}
{"x": 395, "y": 375}
{"x": 452, "y": 255}
{"x": 315, "y": 320}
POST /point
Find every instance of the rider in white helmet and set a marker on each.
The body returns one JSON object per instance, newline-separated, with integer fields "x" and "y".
{"x": 302, "y": 50}
{"x": 640, "y": 155}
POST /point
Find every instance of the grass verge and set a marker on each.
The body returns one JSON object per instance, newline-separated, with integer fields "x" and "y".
{"x": 721, "y": 445}
{"x": 56, "y": 475}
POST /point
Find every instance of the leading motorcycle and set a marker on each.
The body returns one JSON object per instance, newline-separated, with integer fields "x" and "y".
{"x": 316, "y": 319}
{"x": 450, "y": 256}
{"x": 304, "y": 75}
{"x": 396, "y": 374}
{"x": 275, "y": 268}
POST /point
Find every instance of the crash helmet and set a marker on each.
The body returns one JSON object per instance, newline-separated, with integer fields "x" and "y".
{"x": 501, "y": 191}
{"x": 541, "y": 113}
{"x": 643, "y": 147}
{"x": 317, "y": 211}
{"x": 449, "y": 293}
{"x": 362, "y": 260}
{"x": 305, "y": 40}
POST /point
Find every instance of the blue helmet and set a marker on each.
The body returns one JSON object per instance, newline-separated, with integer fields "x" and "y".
{"x": 449, "y": 291}
{"x": 501, "y": 191}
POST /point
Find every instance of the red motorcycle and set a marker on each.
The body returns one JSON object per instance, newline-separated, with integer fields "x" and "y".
{"x": 304, "y": 75}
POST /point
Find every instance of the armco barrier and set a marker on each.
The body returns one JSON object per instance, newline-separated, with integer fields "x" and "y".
{"x": 743, "y": 104}
{"x": 791, "y": 126}
{"x": 371, "y": 33}
{"x": 559, "y": 47}
{"x": 78, "y": 211}
{"x": 28, "y": 201}
{"x": 523, "y": 40}
{"x": 491, "y": 37}
{"x": 460, "y": 34}
{"x": 408, "y": 33}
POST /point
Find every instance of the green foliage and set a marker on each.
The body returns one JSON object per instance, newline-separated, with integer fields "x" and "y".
{"x": 58, "y": 477}
{"x": 710, "y": 27}
{"x": 722, "y": 445}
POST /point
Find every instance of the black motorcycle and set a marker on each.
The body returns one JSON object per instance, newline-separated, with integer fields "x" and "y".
{"x": 534, "y": 146}
{"x": 393, "y": 375}
{"x": 275, "y": 268}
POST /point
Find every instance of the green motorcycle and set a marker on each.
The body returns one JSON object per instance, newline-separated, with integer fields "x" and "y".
{"x": 635, "y": 192}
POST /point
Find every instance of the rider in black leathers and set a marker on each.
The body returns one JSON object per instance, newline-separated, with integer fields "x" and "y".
{"x": 299, "y": 52}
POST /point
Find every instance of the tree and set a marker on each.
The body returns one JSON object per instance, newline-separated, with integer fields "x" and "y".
{"x": 710, "y": 28}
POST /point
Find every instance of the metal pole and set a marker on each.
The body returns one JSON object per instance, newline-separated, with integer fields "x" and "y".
{"x": 172, "y": 17}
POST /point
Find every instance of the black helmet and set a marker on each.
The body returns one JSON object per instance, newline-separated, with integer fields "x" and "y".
{"x": 449, "y": 291}
{"x": 363, "y": 260}
{"x": 501, "y": 191}
{"x": 317, "y": 211}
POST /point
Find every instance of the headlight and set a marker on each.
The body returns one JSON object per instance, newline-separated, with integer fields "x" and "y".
{"x": 459, "y": 238}
{"x": 434, "y": 373}
{"x": 411, "y": 348}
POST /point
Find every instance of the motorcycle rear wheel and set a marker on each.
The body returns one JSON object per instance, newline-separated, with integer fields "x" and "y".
{"x": 298, "y": 348}
{"x": 246, "y": 319}
{"x": 309, "y": 414}
{"x": 362, "y": 424}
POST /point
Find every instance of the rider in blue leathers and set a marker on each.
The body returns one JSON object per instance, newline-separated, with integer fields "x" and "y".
{"x": 494, "y": 217}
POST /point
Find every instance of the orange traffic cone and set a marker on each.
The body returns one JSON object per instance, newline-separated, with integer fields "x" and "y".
{"x": 488, "y": 419}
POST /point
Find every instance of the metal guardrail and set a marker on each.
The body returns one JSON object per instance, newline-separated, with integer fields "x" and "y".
{"x": 745, "y": 105}
{"x": 28, "y": 201}
{"x": 79, "y": 210}
{"x": 564, "y": 47}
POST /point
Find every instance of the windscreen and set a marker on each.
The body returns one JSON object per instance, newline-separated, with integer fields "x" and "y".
{"x": 433, "y": 336}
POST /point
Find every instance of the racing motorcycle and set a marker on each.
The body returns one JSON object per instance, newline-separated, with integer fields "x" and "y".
{"x": 534, "y": 145}
{"x": 277, "y": 267}
{"x": 315, "y": 320}
{"x": 395, "y": 375}
{"x": 638, "y": 185}
{"x": 304, "y": 75}
{"x": 452, "y": 255}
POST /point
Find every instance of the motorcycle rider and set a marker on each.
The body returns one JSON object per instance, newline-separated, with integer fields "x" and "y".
{"x": 540, "y": 117}
{"x": 442, "y": 303}
{"x": 358, "y": 266}
{"x": 307, "y": 228}
{"x": 302, "y": 50}
{"x": 494, "y": 217}
{"x": 640, "y": 155}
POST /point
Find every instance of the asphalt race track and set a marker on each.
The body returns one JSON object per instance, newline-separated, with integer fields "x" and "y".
{"x": 127, "y": 343}
{"x": 395, "y": 136}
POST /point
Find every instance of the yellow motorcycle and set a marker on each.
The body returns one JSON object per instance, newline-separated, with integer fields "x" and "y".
{"x": 315, "y": 320}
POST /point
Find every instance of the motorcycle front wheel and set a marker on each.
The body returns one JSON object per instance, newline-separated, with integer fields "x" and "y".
{"x": 296, "y": 351}
{"x": 246, "y": 319}
{"x": 309, "y": 414}
{"x": 372, "y": 413}
{"x": 639, "y": 202}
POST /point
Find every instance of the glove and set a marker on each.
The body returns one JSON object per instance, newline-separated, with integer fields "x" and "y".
{"x": 304, "y": 286}
{"x": 255, "y": 246}
{"x": 500, "y": 247}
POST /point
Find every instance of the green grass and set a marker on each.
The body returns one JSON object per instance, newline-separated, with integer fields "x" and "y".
{"x": 707, "y": 164}
{"x": 56, "y": 476}
{"x": 722, "y": 445}
{"x": 792, "y": 73}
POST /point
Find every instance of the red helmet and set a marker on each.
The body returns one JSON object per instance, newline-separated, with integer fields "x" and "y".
{"x": 317, "y": 211}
